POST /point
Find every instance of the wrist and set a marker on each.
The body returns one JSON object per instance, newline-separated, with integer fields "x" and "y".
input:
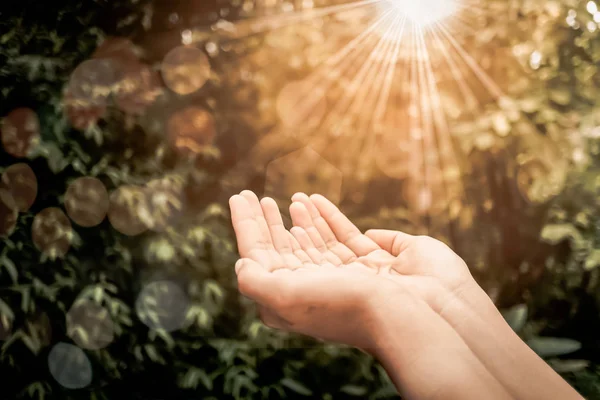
{"x": 474, "y": 316}
{"x": 385, "y": 308}
{"x": 413, "y": 344}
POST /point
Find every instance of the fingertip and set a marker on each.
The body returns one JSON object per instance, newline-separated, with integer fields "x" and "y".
{"x": 238, "y": 265}
{"x": 295, "y": 230}
{"x": 297, "y": 206}
{"x": 300, "y": 211}
{"x": 266, "y": 200}
{"x": 233, "y": 199}
{"x": 298, "y": 196}
{"x": 248, "y": 193}
{"x": 268, "y": 203}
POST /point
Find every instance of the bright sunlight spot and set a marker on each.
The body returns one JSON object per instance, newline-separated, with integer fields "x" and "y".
{"x": 424, "y": 12}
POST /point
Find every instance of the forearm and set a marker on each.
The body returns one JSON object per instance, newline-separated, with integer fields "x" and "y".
{"x": 525, "y": 375}
{"x": 429, "y": 360}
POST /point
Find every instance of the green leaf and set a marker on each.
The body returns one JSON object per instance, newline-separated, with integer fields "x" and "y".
{"x": 153, "y": 354}
{"x": 593, "y": 260}
{"x": 32, "y": 343}
{"x": 354, "y": 390}
{"x": 194, "y": 376}
{"x": 212, "y": 291}
{"x": 10, "y": 268}
{"x": 556, "y": 233}
{"x": 5, "y": 310}
{"x": 296, "y": 386}
{"x": 564, "y": 366}
{"x": 516, "y": 316}
{"x": 37, "y": 388}
{"x": 552, "y": 347}
{"x": 25, "y": 299}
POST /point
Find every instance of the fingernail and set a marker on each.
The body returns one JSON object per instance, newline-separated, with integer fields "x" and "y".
{"x": 238, "y": 265}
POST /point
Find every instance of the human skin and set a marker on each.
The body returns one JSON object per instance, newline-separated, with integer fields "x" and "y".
{"x": 440, "y": 277}
{"x": 410, "y": 301}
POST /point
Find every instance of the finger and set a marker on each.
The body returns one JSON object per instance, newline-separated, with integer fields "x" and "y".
{"x": 251, "y": 242}
{"x": 331, "y": 241}
{"x": 274, "y": 259}
{"x": 279, "y": 234}
{"x": 345, "y": 231}
{"x": 275, "y": 225}
{"x": 308, "y": 246}
{"x": 298, "y": 251}
{"x": 302, "y": 219}
{"x": 258, "y": 215}
{"x": 255, "y": 281}
{"x": 391, "y": 241}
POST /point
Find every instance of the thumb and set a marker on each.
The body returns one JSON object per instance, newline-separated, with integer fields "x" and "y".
{"x": 254, "y": 281}
{"x": 394, "y": 242}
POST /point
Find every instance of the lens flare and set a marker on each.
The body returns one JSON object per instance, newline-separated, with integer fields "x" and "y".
{"x": 422, "y": 13}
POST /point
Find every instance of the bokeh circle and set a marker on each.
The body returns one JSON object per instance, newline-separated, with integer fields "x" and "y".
{"x": 191, "y": 129}
{"x": 70, "y": 366}
{"x": 128, "y": 212}
{"x": 9, "y": 214}
{"x": 20, "y": 132}
{"x": 185, "y": 69}
{"x": 162, "y": 305}
{"x": 52, "y": 232}
{"x": 90, "y": 325}
{"x": 86, "y": 201}
{"x": 21, "y": 182}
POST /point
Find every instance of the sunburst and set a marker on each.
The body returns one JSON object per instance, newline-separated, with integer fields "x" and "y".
{"x": 381, "y": 94}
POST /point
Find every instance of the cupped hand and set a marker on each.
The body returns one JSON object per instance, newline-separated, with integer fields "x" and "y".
{"x": 420, "y": 263}
{"x": 298, "y": 286}
{"x": 434, "y": 273}
{"x": 325, "y": 279}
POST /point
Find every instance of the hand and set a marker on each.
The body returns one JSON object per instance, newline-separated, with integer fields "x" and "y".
{"x": 433, "y": 272}
{"x": 420, "y": 263}
{"x": 294, "y": 284}
{"x": 307, "y": 282}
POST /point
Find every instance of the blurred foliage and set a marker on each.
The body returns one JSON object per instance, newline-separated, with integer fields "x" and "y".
{"x": 528, "y": 223}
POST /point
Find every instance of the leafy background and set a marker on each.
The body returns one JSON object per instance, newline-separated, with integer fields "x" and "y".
{"x": 529, "y": 227}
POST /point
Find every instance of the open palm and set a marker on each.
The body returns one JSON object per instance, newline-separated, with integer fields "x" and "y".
{"x": 325, "y": 258}
{"x": 297, "y": 281}
{"x": 421, "y": 264}
{"x": 326, "y": 279}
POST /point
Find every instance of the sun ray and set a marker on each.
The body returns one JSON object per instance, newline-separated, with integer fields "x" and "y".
{"x": 344, "y": 102}
{"x": 484, "y": 78}
{"x": 376, "y": 74}
{"x": 382, "y": 101}
{"x": 388, "y": 85}
{"x": 315, "y": 87}
{"x": 442, "y": 142}
{"x": 253, "y": 26}
{"x": 456, "y": 72}
{"x": 372, "y": 99}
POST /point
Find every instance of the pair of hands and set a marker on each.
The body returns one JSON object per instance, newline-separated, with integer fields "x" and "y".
{"x": 325, "y": 269}
{"x": 408, "y": 300}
